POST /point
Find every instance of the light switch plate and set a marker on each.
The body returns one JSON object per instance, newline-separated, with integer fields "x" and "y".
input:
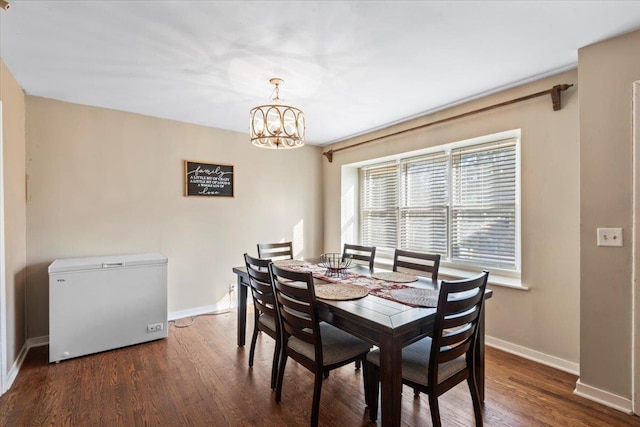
{"x": 609, "y": 236}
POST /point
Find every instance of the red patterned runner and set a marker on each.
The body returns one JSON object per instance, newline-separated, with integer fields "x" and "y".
{"x": 377, "y": 287}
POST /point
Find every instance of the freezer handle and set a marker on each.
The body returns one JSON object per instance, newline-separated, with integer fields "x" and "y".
{"x": 112, "y": 264}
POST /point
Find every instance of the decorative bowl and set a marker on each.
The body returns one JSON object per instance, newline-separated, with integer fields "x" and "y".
{"x": 334, "y": 262}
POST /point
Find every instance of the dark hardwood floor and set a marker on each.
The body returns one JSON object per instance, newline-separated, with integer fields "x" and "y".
{"x": 199, "y": 377}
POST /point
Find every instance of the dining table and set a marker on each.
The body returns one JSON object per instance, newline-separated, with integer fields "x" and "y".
{"x": 377, "y": 318}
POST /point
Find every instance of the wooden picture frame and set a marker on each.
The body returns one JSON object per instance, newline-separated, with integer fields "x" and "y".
{"x": 207, "y": 179}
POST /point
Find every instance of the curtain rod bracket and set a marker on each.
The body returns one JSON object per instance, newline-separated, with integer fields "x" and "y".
{"x": 555, "y": 96}
{"x": 555, "y": 99}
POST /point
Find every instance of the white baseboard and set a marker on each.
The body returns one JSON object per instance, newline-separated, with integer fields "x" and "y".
{"x": 225, "y": 304}
{"x": 215, "y": 308}
{"x": 604, "y": 397}
{"x": 15, "y": 368}
{"x": 536, "y": 356}
{"x": 38, "y": 341}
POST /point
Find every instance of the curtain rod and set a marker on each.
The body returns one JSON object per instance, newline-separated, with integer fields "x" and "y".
{"x": 555, "y": 99}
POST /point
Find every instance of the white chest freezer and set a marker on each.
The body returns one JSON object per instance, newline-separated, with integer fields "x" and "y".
{"x": 102, "y": 303}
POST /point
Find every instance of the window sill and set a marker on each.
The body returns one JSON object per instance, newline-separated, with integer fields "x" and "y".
{"x": 494, "y": 279}
{"x": 454, "y": 273}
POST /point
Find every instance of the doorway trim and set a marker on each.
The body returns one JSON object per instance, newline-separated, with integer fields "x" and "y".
{"x": 3, "y": 284}
{"x": 635, "y": 284}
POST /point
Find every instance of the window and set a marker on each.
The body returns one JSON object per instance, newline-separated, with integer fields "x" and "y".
{"x": 423, "y": 206}
{"x": 379, "y": 201}
{"x": 460, "y": 203}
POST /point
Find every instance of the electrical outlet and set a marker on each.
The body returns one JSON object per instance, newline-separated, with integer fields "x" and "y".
{"x": 154, "y": 327}
{"x": 232, "y": 287}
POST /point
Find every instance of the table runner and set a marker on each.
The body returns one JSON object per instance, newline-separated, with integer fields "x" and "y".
{"x": 377, "y": 287}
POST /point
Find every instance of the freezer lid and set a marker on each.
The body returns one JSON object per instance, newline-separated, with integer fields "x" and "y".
{"x": 104, "y": 262}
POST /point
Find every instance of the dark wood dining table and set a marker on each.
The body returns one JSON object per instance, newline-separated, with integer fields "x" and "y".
{"x": 388, "y": 324}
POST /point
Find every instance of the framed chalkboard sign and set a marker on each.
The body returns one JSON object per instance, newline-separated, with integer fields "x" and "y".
{"x": 207, "y": 179}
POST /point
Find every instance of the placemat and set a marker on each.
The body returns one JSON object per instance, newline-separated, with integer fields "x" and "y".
{"x": 416, "y": 296}
{"x": 340, "y": 292}
{"x": 290, "y": 263}
{"x": 394, "y": 276}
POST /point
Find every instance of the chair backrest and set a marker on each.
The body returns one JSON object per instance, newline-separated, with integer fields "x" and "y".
{"x": 260, "y": 281}
{"x": 415, "y": 262}
{"x": 455, "y": 329}
{"x": 297, "y": 309}
{"x": 275, "y": 251}
{"x": 360, "y": 253}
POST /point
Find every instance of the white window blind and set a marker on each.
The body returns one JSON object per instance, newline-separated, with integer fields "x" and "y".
{"x": 461, "y": 204}
{"x": 379, "y": 205}
{"x": 423, "y": 204}
{"x": 483, "y": 208}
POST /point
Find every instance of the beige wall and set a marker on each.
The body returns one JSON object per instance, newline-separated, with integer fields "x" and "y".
{"x": 108, "y": 182}
{"x": 607, "y": 71}
{"x": 545, "y": 318}
{"x": 13, "y": 168}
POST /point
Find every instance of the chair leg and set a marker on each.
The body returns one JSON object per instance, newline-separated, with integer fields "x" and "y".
{"x": 358, "y": 364}
{"x": 372, "y": 381}
{"x": 416, "y": 393}
{"x": 435, "y": 410}
{"x": 364, "y": 381}
{"x": 315, "y": 407}
{"x": 281, "y": 366}
{"x": 254, "y": 338}
{"x": 475, "y": 398}
{"x": 274, "y": 366}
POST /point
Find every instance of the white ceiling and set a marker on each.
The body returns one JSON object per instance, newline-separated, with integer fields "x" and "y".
{"x": 351, "y": 66}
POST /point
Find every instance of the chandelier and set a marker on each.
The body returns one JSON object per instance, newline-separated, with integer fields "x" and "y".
{"x": 276, "y": 125}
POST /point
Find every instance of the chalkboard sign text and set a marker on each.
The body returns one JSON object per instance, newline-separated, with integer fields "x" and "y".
{"x": 208, "y": 180}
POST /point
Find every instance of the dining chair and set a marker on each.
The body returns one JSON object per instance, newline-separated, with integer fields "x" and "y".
{"x": 275, "y": 251}
{"x": 436, "y": 364}
{"x": 318, "y": 346}
{"x": 265, "y": 317}
{"x": 360, "y": 253}
{"x": 416, "y": 262}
